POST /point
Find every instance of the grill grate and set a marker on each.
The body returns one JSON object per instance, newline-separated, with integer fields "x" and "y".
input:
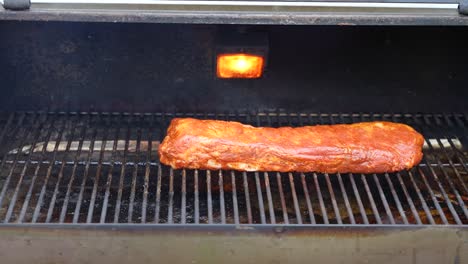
{"x": 104, "y": 168}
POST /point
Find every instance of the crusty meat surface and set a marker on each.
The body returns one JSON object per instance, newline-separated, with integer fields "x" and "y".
{"x": 368, "y": 147}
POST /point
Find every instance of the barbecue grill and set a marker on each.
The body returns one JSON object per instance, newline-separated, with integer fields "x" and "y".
{"x": 85, "y": 105}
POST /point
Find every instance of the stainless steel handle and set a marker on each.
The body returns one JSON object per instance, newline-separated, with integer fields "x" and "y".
{"x": 248, "y": 5}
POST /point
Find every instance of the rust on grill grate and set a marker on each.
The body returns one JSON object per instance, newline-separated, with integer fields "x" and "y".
{"x": 104, "y": 168}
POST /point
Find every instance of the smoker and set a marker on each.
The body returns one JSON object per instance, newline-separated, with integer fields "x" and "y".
{"x": 88, "y": 89}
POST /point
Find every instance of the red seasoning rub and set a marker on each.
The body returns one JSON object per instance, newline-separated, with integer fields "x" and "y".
{"x": 368, "y": 147}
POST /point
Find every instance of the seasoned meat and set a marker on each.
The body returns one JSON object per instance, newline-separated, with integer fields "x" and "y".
{"x": 368, "y": 147}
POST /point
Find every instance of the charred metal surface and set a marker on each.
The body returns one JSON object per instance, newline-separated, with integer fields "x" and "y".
{"x": 134, "y": 67}
{"x": 233, "y": 244}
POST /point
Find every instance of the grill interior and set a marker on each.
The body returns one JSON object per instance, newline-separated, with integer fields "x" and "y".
{"x": 104, "y": 168}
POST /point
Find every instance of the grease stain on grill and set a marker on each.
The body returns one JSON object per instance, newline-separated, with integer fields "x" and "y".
{"x": 104, "y": 168}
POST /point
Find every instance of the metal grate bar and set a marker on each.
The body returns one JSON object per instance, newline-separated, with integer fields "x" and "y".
{"x": 105, "y": 203}
{"x": 26, "y": 133}
{"x": 269, "y": 198}
{"x": 134, "y": 179}
{"x": 333, "y": 199}
{"x": 260, "y": 198}
{"x": 76, "y": 215}
{"x": 433, "y": 197}
{"x": 322, "y": 204}
{"x": 157, "y": 208}
{"x": 451, "y": 184}
{"x": 294, "y": 195}
{"x": 103, "y": 168}
{"x": 397, "y": 200}
{"x": 447, "y": 156}
{"x": 171, "y": 197}
{"x": 89, "y": 218}
{"x": 23, "y": 171}
{"x": 122, "y": 173}
{"x": 455, "y": 149}
{"x": 283, "y": 201}
{"x": 234, "y": 198}
{"x": 307, "y": 197}
{"x": 221, "y": 197}
{"x": 147, "y": 174}
{"x": 72, "y": 177}
{"x": 36, "y": 171}
{"x": 247, "y": 198}
{"x": 354, "y": 187}
{"x": 59, "y": 178}
{"x": 196, "y": 195}
{"x": 210, "y": 200}
{"x": 439, "y": 184}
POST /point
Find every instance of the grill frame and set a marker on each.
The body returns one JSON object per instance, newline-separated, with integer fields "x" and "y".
{"x": 228, "y": 243}
{"x": 139, "y": 162}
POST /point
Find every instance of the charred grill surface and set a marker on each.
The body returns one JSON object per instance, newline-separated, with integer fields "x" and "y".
{"x": 104, "y": 168}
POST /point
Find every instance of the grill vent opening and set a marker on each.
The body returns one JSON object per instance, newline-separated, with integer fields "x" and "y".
{"x": 63, "y": 168}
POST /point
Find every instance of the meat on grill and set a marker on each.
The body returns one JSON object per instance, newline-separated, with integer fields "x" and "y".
{"x": 368, "y": 147}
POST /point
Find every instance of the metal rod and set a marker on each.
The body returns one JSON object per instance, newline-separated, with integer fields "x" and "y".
{"x": 170, "y": 210}
{"x": 296, "y": 203}
{"x": 304, "y": 184}
{"x": 209, "y": 198}
{"x": 4, "y": 131}
{"x": 105, "y": 203}
{"x": 320, "y": 198}
{"x": 410, "y": 201}
{"x": 371, "y": 200}
{"x": 421, "y": 199}
{"x": 63, "y": 212}
{"x": 21, "y": 177}
{"x": 268, "y": 188}
{"x": 452, "y": 165}
{"x": 418, "y": 192}
{"x": 366, "y": 187}
{"x": 247, "y": 198}
{"x": 59, "y": 177}
{"x": 381, "y": 192}
{"x": 196, "y": 198}
{"x": 89, "y": 217}
{"x": 438, "y": 182}
{"x": 157, "y": 208}
{"x": 118, "y": 202}
{"x": 36, "y": 171}
{"x": 433, "y": 197}
{"x": 308, "y": 202}
{"x": 234, "y": 198}
{"x": 147, "y": 171}
{"x": 396, "y": 199}
{"x": 151, "y": 5}
{"x": 451, "y": 184}
{"x": 346, "y": 200}
{"x": 340, "y": 180}
{"x": 333, "y": 199}
{"x": 269, "y": 198}
{"x": 25, "y": 134}
{"x": 358, "y": 199}
{"x": 131, "y": 204}
{"x": 384, "y": 200}
{"x": 457, "y": 152}
{"x": 76, "y": 215}
{"x": 283, "y": 202}
{"x": 221, "y": 197}
{"x": 183, "y": 207}
{"x": 260, "y": 199}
